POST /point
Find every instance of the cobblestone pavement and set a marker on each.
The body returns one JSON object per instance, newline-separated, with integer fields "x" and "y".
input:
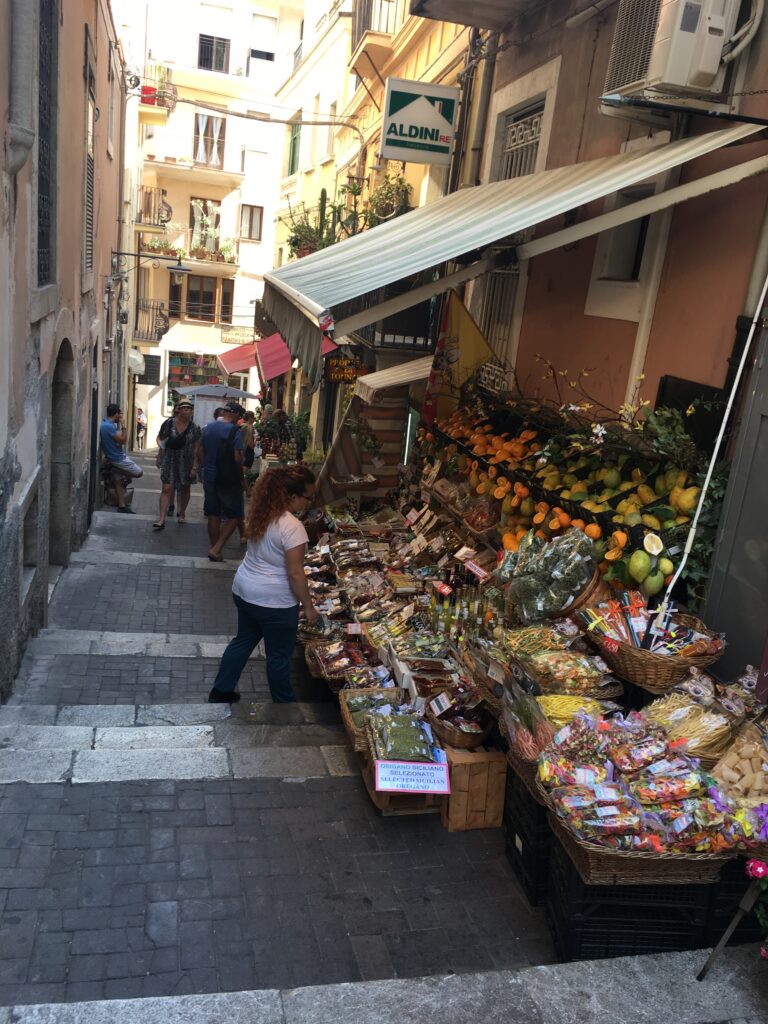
{"x": 173, "y": 848}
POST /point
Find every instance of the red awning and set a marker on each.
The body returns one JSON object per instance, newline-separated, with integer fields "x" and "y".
{"x": 275, "y": 359}
{"x": 237, "y": 359}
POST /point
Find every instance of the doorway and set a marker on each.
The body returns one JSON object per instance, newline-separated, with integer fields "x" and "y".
{"x": 60, "y": 431}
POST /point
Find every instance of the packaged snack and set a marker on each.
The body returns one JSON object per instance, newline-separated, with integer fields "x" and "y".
{"x": 559, "y": 771}
{"x": 401, "y": 738}
{"x": 528, "y": 730}
{"x": 666, "y": 788}
{"x": 565, "y": 672}
{"x": 582, "y": 798}
{"x": 743, "y": 771}
{"x": 632, "y": 757}
{"x": 579, "y": 741}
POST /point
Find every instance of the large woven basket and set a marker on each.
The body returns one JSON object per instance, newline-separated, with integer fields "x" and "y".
{"x": 656, "y": 673}
{"x": 335, "y": 681}
{"x": 598, "y": 866}
{"x": 451, "y": 736}
{"x": 526, "y": 771}
{"x": 356, "y": 736}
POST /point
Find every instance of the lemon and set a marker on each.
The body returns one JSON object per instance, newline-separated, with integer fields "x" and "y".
{"x": 612, "y": 478}
{"x": 639, "y": 565}
{"x": 666, "y": 566}
{"x": 652, "y": 584}
{"x": 653, "y": 544}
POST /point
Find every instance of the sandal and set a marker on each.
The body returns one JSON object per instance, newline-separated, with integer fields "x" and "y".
{"x": 182, "y": 520}
{"x": 215, "y": 558}
{"x": 158, "y": 526}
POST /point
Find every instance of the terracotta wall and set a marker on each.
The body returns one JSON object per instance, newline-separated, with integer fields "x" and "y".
{"x": 711, "y": 243}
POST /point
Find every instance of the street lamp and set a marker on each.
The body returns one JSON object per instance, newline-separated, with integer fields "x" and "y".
{"x": 119, "y": 258}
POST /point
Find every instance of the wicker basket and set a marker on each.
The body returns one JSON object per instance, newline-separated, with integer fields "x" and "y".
{"x": 656, "y": 673}
{"x": 334, "y": 680}
{"x": 526, "y": 771}
{"x": 356, "y": 735}
{"x": 598, "y": 866}
{"x": 451, "y": 736}
{"x": 596, "y": 591}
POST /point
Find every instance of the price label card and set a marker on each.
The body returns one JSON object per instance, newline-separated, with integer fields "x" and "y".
{"x": 477, "y": 570}
{"x": 354, "y": 629}
{"x": 323, "y": 539}
{"x": 412, "y": 777}
{"x": 407, "y": 612}
{"x": 436, "y": 544}
{"x": 496, "y": 672}
{"x": 443, "y": 561}
{"x": 464, "y": 553}
{"x": 325, "y": 549}
{"x": 611, "y": 645}
{"x": 442, "y": 588}
{"x": 440, "y": 704}
{"x": 412, "y": 516}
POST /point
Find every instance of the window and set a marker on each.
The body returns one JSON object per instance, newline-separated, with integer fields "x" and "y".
{"x": 250, "y": 222}
{"x": 213, "y": 53}
{"x": 204, "y": 217}
{"x": 46, "y": 141}
{"x": 201, "y": 298}
{"x": 210, "y": 133}
{"x": 238, "y": 381}
{"x": 262, "y": 55}
{"x": 90, "y": 122}
{"x": 294, "y": 144}
{"x": 623, "y": 247}
{"x": 227, "y": 300}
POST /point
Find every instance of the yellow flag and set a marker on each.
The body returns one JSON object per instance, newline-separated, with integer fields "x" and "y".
{"x": 461, "y": 349}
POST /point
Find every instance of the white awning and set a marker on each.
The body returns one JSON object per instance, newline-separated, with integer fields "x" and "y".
{"x": 303, "y": 296}
{"x": 404, "y": 373}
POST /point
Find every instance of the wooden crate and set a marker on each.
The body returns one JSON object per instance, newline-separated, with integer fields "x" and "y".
{"x": 478, "y": 778}
{"x": 392, "y": 804}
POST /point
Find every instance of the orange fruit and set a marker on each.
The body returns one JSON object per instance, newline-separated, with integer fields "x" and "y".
{"x": 593, "y": 531}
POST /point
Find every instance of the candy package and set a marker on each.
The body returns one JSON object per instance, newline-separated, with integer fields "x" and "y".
{"x": 559, "y": 771}
{"x": 650, "y": 789}
{"x": 566, "y": 672}
{"x": 632, "y": 757}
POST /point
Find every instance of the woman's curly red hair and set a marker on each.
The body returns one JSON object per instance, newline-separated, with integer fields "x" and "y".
{"x": 271, "y": 496}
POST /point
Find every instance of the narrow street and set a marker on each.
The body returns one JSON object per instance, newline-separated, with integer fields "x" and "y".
{"x": 253, "y": 859}
{"x": 158, "y": 846}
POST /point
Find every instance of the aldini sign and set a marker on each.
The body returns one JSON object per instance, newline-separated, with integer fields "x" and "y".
{"x": 418, "y": 122}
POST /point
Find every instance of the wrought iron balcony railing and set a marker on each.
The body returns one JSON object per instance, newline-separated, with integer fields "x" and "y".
{"x": 151, "y": 320}
{"x": 151, "y": 207}
{"x": 385, "y": 16}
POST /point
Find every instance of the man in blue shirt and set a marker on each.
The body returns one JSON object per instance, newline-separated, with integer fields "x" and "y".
{"x": 112, "y": 434}
{"x": 220, "y": 461}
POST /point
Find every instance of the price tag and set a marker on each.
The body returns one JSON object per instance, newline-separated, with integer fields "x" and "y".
{"x": 443, "y": 561}
{"x": 354, "y": 629}
{"x": 436, "y": 544}
{"x": 440, "y": 704}
{"x": 407, "y": 612}
{"x": 325, "y": 549}
{"x": 477, "y": 570}
{"x": 611, "y": 645}
{"x": 496, "y": 672}
{"x": 464, "y": 553}
{"x": 442, "y": 588}
{"x": 412, "y": 516}
{"x": 323, "y": 539}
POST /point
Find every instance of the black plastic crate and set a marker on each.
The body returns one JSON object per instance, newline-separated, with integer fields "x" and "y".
{"x": 724, "y": 902}
{"x": 595, "y": 921}
{"x": 529, "y": 838}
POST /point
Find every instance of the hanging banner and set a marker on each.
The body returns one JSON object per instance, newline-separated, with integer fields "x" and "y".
{"x": 418, "y": 124}
{"x": 461, "y": 349}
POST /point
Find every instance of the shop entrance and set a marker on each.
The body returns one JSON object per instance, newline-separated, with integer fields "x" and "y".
{"x": 60, "y": 427}
{"x": 737, "y": 601}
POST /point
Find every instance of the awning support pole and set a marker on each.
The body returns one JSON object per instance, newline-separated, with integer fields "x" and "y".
{"x": 413, "y": 297}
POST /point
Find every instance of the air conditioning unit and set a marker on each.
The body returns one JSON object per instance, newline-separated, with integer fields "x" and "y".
{"x": 671, "y": 51}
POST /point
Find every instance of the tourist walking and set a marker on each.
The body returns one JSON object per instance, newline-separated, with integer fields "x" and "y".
{"x": 141, "y": 429}
{"x": 178, "y": 439}
{"x": 270, "y": 585}
{"x": 220, "y": 458}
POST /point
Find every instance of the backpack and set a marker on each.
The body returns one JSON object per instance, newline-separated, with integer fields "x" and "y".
{"x": 227, "y": 470}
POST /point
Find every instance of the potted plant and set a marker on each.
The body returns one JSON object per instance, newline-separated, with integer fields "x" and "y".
{"x": 389, "y": 199}
{"x": 228, "y": 251}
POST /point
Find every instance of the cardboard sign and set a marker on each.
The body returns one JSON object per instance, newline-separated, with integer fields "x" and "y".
{"x": 412, "y": 777}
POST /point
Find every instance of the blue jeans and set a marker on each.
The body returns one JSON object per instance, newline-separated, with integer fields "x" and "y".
{"x": 277, "y": 626}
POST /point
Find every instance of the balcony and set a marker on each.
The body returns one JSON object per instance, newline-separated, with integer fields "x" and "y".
{"x": 205, "y": 255}
{"x": 158, "y": 95}
{"x": 152, "y": 211}
{"x": 374, "y": 25}
{"x": 491, "y": 14}
{"x": 410, "y": 331}
{"x": 151, "y": 321}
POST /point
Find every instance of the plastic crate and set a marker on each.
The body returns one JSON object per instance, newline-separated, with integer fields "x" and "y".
{"x": 724, "y": 902}
{"x": 591, "y": 922}
{"x": 529, "y": 839}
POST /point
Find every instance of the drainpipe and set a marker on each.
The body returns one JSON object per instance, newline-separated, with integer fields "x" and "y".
{"x": 483, "y": 106}
{"x": 466, "y": 102}
{"x": 20, "y": 136}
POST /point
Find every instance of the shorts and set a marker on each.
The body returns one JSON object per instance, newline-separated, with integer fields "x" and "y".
{"x": 225, "y": 502}
{"x": 128, "y": 466}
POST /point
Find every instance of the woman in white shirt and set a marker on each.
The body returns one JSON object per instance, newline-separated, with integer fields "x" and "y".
{"x": 270, "y": 584}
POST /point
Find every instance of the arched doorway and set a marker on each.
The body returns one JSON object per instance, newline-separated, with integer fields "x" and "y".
{"x": 60, "y": 429}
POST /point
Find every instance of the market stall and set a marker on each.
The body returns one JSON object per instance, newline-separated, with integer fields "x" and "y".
{"x": 491, "y": 618}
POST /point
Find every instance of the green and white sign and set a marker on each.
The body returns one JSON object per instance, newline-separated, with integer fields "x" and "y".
{"x": 419, "y": 122}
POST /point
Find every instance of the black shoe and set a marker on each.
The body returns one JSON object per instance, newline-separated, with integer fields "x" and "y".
{"x": 128, "y": 511}
{"x": 223, "y": 696}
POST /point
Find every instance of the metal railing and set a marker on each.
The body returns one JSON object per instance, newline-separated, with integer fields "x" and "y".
{"x": 151, "y": 320}
{"x": 151, "y": 207}
{"x": 200, "y": 245}
{"x": 376, "y": 16}
{"x": 157, "y": 88}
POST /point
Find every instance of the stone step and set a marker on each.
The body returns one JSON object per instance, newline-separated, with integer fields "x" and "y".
{"x": 236, "y": 718}
{"x": 634, "y": 990}
{"x": 58, "y": 641}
